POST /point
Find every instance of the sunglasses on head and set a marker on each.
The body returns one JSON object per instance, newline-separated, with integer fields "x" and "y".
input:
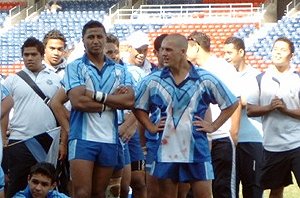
{"x": 193, "y": 39}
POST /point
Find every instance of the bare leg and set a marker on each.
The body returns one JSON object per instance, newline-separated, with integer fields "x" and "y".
{"x": 277, "y": 193}
{"x": 167, "y": 188}
{"x": 202, "y": 189}
{"x": 138, "y": 184}
{"x": 101, "y": 177}
{"x": 152, "y": 186}
{"x": 81, "y": 180}
{"x": 125, "y": 182}
{"x": 183, "y": 190}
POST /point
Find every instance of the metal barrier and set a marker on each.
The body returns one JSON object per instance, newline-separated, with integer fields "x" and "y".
{"x": 292, "y": 5}
{"x": 238, "y": 12}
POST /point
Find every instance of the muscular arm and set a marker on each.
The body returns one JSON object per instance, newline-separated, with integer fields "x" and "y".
{"x": 6, "y": 105}
{"x": 82, "y": 102}
{"x": 61, "y": 113}
{"x": 124, "y": 100}
{"x": 209, "y": 127}
{"x": 144, "y": 119}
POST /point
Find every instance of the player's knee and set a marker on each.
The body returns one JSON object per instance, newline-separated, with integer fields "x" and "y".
{"x": 114, "y": 188}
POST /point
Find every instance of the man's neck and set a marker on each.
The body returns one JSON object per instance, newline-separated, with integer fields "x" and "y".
{"x": 202, "y": 58}
{"x": 54, "y": 66}
{"x": 282, "y": 69}
{"x": 97, "y": 60}
{"x": 242, "y": 66}
{"x": 180, "y": 71}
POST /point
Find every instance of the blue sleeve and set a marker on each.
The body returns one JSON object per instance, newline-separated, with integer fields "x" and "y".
{"x": 73, "y": 75}
{"x": 142, "y": 95}
{"x": 4, "y": 92}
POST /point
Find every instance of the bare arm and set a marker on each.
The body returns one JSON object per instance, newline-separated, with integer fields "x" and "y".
{"x": 63, "y": 116}
{"x": 221, "y": 119}
{"x": 121, "y": 99}
{"x": 6, "y": 105}
{"x": 83, "y": 102}
{"x": 281, "y": 106}
{"x": 235, "y": 122}
{"x": 143, "y": 118}
{"x": 61, "y": 113}
{"x": 257, "y": 110}
{"x": 128, "y": 127}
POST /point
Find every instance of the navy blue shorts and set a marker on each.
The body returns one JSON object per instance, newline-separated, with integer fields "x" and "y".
{"x": 277, "y": 168}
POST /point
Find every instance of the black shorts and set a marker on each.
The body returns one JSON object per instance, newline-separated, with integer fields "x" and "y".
{"x": 277, "y": 168}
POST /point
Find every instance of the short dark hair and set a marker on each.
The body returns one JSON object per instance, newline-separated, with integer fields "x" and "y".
{"x": 201, "y": 39}
{"x": 238, "y": 43}
{"x": 92, "y": 24}
{"x": 34, "y": 42}
{"x": 54, "y": 34}
{"x": 44, "y": 168}
{"x": 158, "y": 41}
{"x": 288, "y": 41}
{"x": 110, "y": 38}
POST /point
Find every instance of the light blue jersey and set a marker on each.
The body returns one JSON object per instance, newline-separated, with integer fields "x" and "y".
{"x": 180, "y": 141}
{"x": 98, "y": 127}
{"x": 250, "y": 127}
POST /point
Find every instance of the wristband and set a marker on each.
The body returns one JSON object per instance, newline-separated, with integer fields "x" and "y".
{"x": 103, "y": 107}
{"x": 99, "y": 96}
{"x": 104, "y": 97}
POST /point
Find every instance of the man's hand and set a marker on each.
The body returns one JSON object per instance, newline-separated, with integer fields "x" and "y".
{"x": 159, "y": 127}
{"x": 278, "y": 103}
{"x": 62, "y": 151}
{"x": 203, "y": 125}
{"x": 120, "y": 90}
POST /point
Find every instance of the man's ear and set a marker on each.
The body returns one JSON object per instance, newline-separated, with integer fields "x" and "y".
{"x": 28, "y": 178}
{"x": 53, "y": 185}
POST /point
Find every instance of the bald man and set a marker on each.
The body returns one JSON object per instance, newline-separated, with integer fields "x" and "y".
{"x": 182, "y": 93}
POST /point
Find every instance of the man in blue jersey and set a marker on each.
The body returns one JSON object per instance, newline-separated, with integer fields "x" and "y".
{"x": 94, "y": 144}
{"x": 183, "y": 93}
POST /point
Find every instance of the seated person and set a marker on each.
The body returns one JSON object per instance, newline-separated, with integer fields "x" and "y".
{"x": 41, "y": 182}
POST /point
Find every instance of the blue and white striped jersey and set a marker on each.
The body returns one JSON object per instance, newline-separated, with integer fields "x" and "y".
{"x": 98, "y": 127}
{"x": 180, "y": 141}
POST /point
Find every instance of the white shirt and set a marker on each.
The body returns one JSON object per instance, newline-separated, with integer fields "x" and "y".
{"x": 31, "y": 115}
{"x": 229, "y": 76}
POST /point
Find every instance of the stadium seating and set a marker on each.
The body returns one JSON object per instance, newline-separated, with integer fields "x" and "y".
{"x": 68, "y": 22}
{"x": 288, "y": 27}
{"x": 71, "y": 20}
{"x": 87, "y": 5}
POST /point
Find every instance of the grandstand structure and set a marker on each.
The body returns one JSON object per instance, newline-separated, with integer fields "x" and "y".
{"x": 218, "y": 18}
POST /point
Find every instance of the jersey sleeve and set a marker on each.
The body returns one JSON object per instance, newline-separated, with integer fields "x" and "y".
{"x": 73, "y": 76}
{"x": 142, "y": 95}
